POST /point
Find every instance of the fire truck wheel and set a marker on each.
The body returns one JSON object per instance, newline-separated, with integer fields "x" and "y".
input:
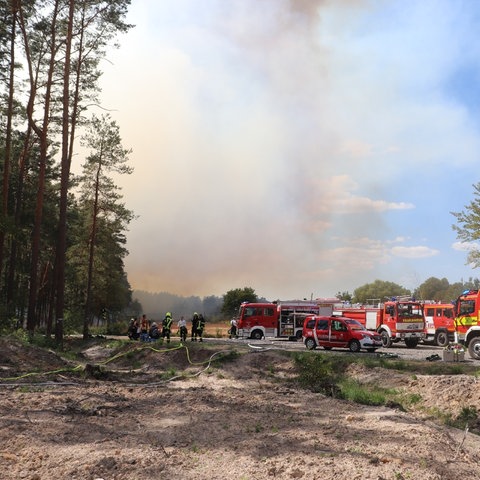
{"x": 441, "y": 338}
{"x": 474, "y": 348}
{"x": 257, "y": 334}
{"x": 354, "y": 346}
{"x": 310, "y": 343}
{"x": 411, "y": 342}
{"x": 386, "y": 340}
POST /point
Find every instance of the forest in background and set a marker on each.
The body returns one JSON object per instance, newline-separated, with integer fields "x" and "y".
{"x": 156, "y": 305}
{"x": 62, "y": 236}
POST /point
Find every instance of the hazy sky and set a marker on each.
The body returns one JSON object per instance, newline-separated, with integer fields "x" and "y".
{"x": 298, "y": 147}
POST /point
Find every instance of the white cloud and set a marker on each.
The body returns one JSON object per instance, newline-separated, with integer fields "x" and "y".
{"x": 465, "y": 246}
{"x": 419, "y": 251}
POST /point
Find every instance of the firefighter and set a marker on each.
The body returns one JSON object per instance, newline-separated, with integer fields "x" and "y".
{"x": 154, "y": 332}
{"x": 201, "y": 327}
{"x": 233, "y": 328}
{"x": 133, "y": 330}
{"x": 194, "y": 327}
{"x": 182, "y": 328}
{"x": 167, "y": 326}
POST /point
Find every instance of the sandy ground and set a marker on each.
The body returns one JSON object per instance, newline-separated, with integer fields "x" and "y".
{"x": 169, "y": 413}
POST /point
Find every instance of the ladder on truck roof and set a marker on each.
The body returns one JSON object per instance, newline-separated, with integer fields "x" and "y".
{"x": 403, "y": 298}
{"x": 373, "y": 302}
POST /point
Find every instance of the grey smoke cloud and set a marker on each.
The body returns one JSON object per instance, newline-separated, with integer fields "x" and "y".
{"x": 270, "y": 139}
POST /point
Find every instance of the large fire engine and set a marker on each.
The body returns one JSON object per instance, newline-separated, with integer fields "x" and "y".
{"x": 440, "y": 326}
{"x": 467, "y": 323}
{"x": 399, "y": 319}
{"x": 282, "y": 319}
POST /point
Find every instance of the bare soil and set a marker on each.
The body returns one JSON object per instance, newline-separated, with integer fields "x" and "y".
{"x": 175, "y": 412}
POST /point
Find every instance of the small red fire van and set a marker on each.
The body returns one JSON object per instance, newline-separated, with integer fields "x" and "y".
{"x": 339, "y": 332}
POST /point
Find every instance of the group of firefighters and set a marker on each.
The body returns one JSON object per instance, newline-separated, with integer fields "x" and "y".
{"x": 147, "y": 332}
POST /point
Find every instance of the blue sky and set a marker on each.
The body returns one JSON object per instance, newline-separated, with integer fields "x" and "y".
{"x": 297, "y": 147}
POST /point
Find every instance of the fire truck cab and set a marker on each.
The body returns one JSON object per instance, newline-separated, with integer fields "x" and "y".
{"x": 467, "y": 322}
{"x": 397, "y": 320}
{"x": 439, "y": 323}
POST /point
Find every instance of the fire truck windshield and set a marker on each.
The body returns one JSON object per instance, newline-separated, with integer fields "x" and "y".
{"x": 410, "y": 310}
{"x": 466, "y": 307}
{"x": 258, "y": 311}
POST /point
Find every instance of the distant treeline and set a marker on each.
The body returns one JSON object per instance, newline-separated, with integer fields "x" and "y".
{"x": 156, "y": 305}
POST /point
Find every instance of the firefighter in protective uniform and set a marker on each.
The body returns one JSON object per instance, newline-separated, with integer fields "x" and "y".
{"x": 194, "y": 327}
{"x": 167, "y": 326}
{"x": 201, "y": 327}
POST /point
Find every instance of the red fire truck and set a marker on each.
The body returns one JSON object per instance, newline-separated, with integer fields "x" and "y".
{"x": 282, "y": 319}
{"x": 440, "y": 326}
{"x": 399, "y": 319}
{"x": 467, "y": 323}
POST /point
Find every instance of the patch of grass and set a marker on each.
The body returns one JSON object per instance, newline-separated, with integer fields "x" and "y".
{"x": 70, "y": 355}
{"x": 25, "y": 389}
{"x": 257, "y": 428}
{"x": 195, "y": 448}
{"x": 439, "y": 415}
{"x": 380, "y": 362}
{"x": 423, "y": 463}
{"x": 115, "y": 344}
{"x": 338, "y": 363}
{"x": 467, "y": 416}
{"x": 354, "y": 391}
{"x": 411, "y": 399}
{"x": 36, "y": 339}
{"x": 271, "y": 369}
{"x": 169, "y": 373}
{"x": 325, "y": 374}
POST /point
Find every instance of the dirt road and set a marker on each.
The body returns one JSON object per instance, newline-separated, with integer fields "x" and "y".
{"x": 421, "y": 352}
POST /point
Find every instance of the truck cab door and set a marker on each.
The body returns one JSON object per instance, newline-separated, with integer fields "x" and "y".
{"x": 250, "y": 317}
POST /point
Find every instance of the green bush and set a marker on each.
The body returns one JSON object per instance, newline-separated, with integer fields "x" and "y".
{"x": 320, "y": 373}
{"x": 117, "y": 328}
